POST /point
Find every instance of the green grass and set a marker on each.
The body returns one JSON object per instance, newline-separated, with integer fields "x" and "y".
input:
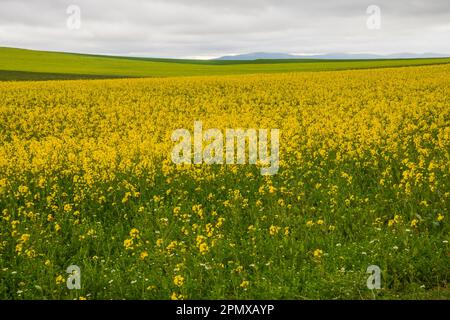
{"x": 21, "y": 64}
{"x": 36, "y": 76}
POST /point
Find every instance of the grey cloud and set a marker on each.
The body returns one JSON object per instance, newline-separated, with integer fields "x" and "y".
{"x": 177, "y": 28}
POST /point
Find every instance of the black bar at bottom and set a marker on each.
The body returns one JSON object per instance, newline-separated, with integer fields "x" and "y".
{"x": 223, "y": 309}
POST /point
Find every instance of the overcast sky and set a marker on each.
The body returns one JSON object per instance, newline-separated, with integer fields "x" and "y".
{"x": 210, "y": 28}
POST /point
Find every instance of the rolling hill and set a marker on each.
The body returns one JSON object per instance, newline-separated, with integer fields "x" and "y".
{"x": 22, "y": 64}
{"x": 330, "y": 56}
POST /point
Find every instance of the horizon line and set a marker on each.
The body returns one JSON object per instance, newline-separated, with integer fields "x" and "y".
{"x": 214, "y": 57}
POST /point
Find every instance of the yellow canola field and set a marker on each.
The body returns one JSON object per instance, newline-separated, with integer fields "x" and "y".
{"x": 86, "y": 177}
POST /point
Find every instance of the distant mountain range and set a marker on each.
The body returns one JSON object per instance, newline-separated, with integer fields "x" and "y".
{"x": 340, "y": 56}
